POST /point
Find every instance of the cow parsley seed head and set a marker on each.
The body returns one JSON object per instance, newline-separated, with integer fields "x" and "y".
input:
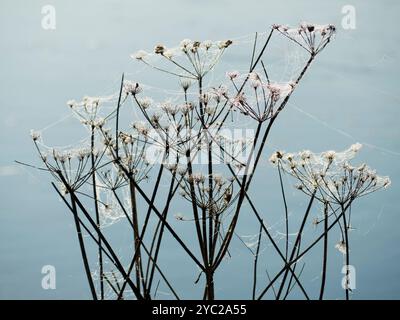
{"x": 341, "y": 246}
{"x": 185, "y": 84}
{"x": 91, "y": 102}
{"x": 289, "y": 156}
{"x": 255, "y": 83}
{"x": 140, "y": 55}
{"x": 220, "y": 92}
{"x": 329, "y": 155}
{"x": 71, "y": 103}
{"x": 125, "y": 138}
{"x": 238, "y": 101}
{"x": 131, "y": 87}
{"x": 207, "y": 44}
{"x": 209, "y": 110}
{"x": 305, "y": 155}
{"x": 145, "y": 102}
{"x": 197, "y": 178}
{"x": 232, "y": 74}
{"x": 35, "y": 135}
{"x": 273, "y": 159}
{"x": 141, "y": 127}
{"x": 218, "y": 179}
{"x": 186, "y": 108}
{"x": 331, "y": 174}
{"x": 169, "y": 53}
{"x": 224, "y": 44}
{"x": 254, "y": 76}
{"x": 280, "y": 90}
{"x": 169, "y": 108}
{"x": 195, "y": 46}
{"x": 159, "y": 49}
{"x": 386, "y": 182}
{"x": 356, "y": 147}
{"x": 311, "y": 37}
{"x": 185, "y": 44}
{"x": 361, "y": 167}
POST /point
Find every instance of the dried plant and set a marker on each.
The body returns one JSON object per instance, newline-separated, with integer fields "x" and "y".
{"x": 183, "y": 145}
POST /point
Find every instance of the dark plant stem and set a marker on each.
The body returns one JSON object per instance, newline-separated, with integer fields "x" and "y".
{"x": 255, "y": 262}
{"x": 195, "y": 210}
{"x": 210, "y": 273}
{"x": 286, "y": 212}
{"x": 117, "y": 117}
{"x": 159, "y": 240}
{"x": 167, "y": 225}
{"x": 100, "y": 234}
{"x": 84, "y": 226}
{"x": 290, "y": 286}
{"x": 135, "y": 222}
{"x": 305, "y": 251}
{"x": 83, "y": 249}
{"x": 231, "y": 229}
{"x": 207, "y": 243}
{"x": 325, "y": 255}
{"x": 153, "y": 197}
{"x": 296, "y": 244}
{"x": 120, "y": 295}
{"x": 96, "y": 208}
{"x": 265, "y": 229}
{"x": 346, "y": 240}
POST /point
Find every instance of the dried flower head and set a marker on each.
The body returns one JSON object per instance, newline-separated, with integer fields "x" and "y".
{"x": 312, "y": 37}
{"x": 331, "y": 174}
{"x": 140, "y": 55}
{"x": 132, "y": 88}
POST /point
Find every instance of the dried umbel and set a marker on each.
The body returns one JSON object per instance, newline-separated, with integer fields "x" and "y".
{"x": 311, "y": 37}
{"x": 132, "y": 88}
{"x": 190, "y": 60}
{"x": 331, "y": 173}
{"x": 259, "y": 98}
{"x": 35, "y": 135}
{"x": 88, "y": 111}
{"x": 212, "y": 193}
{"x": 231, "y": 150}
{"x": 132, "y": 155}
{"x": 72, "y": 164}
{"x": 112, "y": 179}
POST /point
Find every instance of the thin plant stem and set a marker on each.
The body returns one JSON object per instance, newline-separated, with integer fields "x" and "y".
{"x": 228, "y": 238}
{"x": 117, "y": 117}
{"x": 346, "y": 240}
{"x": 100, "y": 234}
{"x": 297, "y": 241}
{"x": 135, "y": 222}
{"x": 289, "y": 286}
{"x": 83, "y": 249}
{"x": 286, "y": 212}
{"x": 304, "y": 252}
{"x": 96, "y": 208}
{"x": 255, "y": 263}
{"x": 159, "y": 240}
{"x": 325, "y": 254}
{"x": 265, "y": 229}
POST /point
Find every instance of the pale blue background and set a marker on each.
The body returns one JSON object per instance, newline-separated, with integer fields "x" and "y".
{"x": 350, "y": 95}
